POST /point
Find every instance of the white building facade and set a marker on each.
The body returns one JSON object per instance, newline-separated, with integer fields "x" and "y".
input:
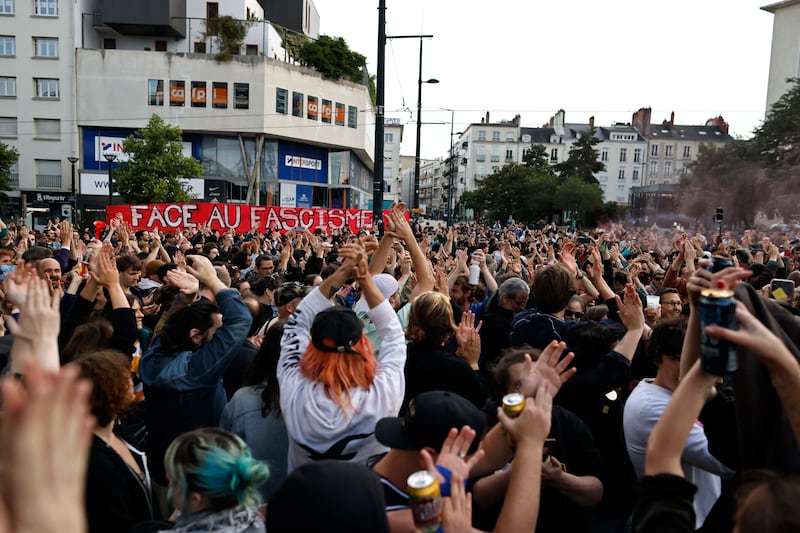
{"x": 784, "y": 59}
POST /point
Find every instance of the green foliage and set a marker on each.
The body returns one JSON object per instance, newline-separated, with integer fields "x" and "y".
{"x": 579, "y": 198}
{"x": 8, "y": 156}
{"x": 333, "y": 58}
{"x": 583, "y": 160}
{"x": 777, "y": 140}
{"x": 537, "y": 158}
{"x": 230, "y": 33}
{"x": 154, "y": 172}
{"x": 292, "y": 42}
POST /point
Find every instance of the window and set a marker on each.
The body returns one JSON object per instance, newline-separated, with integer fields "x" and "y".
{"x": 339, "y": 119}
{"x": 621, "y": 174}
{"x": 654, "y": 150}
{"x": 200, "y": 47}
{"x": 352, "y": 116}
{"x": 8, "y": 45}
{"x": 47, "y": 128}
{"x": 297, "y": 104}
{"x": 653, "y": 168}
{"x": 241, "y": 96}
{"x": 45, "y": 8}
{"x": 251, "y": 49}
{"x": 212, "y": 12}
{"x": 281, "y": 101}
{"x": 47, "y": 88}
{"x": 177, "y": 93}
{"x": 327, "y": 111}
{"x": 637, "y": 155}
{"x": 109, "y": 44}
{"x": 495, "y": 156}
{"x": 312, "y": 108}
{"x": 6, "y": 7}
{"x": 623, "y": 155}
{"x": 45, "y": 47}
{"x": 510, "y": 136}
{"x": 219, "y": 95}
{"x": 687, "y": 152}
{"x": 668, "y": 150}
{"x": 481, "y": 135}
{"x": 199, "y": 94}
{"x": 8, "y": 87}
{"x": 495, "y": 135}
{"x": 161, "y": 46}
{"x": 155, "y": 92}
{"x": 509, "y": 154}
{"x": 604, "y": 154}
{"x": 620, "y": 193}
{"x": 8, "y": 126}
{"x": 48, "y": 173}
{"x": 481, "y": 155}
{"x": 388, "y": 138}
{"x": 387, "y": 156}
{"x": 667, "y": 169}
{"x": 554, "y": 155}
{"x": 635, "y": 176}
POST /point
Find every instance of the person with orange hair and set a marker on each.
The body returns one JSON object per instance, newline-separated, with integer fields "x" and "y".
{"x": 334, "y": 388}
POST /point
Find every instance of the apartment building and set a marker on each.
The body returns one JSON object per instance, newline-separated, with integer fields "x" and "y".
{"x": 392, "y": 169}
{"x": 95, "y": 71}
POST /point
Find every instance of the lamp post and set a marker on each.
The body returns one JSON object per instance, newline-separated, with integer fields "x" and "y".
{"x": 110, "y": 158}
{"x": 74, "y": 199}
{"x": 420, "y": 81}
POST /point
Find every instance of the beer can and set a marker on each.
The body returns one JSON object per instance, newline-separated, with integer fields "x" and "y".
{"x": 717, "y": 307}
{"x": 425, "y": 497}
{"x": 719, "y": 262}
{"x": 513, "y": 404}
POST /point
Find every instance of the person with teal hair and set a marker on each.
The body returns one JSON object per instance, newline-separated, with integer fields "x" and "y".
{"x": 213, "y": 482}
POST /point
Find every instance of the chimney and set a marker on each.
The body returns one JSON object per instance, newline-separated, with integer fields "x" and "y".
{"x": 487, "y": 118}
{"x": 641, "y": 120}
{"x": 672, "y": 120}
{"x": 591, "y": 122}
{"x": 517, "y": 119}
{"x": 720, "y": 122}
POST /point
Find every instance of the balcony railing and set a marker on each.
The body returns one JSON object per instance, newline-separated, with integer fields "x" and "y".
{"x": 48, "y": 181}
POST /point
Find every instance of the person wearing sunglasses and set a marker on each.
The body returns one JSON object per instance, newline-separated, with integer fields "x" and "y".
{"x": 574, "y": 310}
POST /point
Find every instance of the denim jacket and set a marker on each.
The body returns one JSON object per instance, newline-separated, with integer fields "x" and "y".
{"x": 184, "y": 390}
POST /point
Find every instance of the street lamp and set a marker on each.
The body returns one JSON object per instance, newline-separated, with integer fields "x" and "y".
{"x": 110, "y": 158}
{"x": 73, "y": 198}
{"x": 420, "y": 81}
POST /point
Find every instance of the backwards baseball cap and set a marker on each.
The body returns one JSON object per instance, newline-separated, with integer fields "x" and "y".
{"x": 336, "y": 329}
{"x": 428, "y": 420}
{"x": 385, "y": 283}
{"x": 288, "y": 291}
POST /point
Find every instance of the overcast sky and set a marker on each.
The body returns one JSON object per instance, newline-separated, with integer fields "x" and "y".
{"x": 698, "y": 58}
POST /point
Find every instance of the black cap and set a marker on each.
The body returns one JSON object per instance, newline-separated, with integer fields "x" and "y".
{"x": 336, "y": 329}
{"x": 429, "y": 418}
{"x": 331, "y": 496}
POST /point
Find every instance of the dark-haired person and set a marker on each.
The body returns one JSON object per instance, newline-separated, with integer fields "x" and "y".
{"x": 671, "y": 303}
{"x": 254, "y": 412}
{"x": 334, "y": 388}
{"x": 645, "y": 406}
{"x": 182, "y": 371}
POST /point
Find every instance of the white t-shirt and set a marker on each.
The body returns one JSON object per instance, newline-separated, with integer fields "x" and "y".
{"x": 642, "y": 410}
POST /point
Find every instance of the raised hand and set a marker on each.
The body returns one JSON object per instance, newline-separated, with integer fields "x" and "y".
{"x": 183, "y": 281}
{"x": 630, "y": 309}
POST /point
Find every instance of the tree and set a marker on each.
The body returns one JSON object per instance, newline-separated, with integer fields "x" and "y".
{"x": 583, "y": 160}
{"x": 727, "y": 176}
{"x": 777, "y": 140}
{"x": 516, "y": 189}
{"x": 156, "y": 169}
{"x": 579, "y": 198}
{"x": 8, "y": 156}
{"x": 537, "y": 158}
{"x": 292, "y": 42}
{"x": 333, "y": 58}
{"x": 230, "y": 33}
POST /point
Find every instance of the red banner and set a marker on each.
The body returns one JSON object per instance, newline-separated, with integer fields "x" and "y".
{"x": 241, "y": 217}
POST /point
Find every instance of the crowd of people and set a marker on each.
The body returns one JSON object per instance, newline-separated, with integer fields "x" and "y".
{"x": 203, "y": 380}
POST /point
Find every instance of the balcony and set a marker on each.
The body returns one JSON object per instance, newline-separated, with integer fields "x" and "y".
{"x": 48, "y": 181}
